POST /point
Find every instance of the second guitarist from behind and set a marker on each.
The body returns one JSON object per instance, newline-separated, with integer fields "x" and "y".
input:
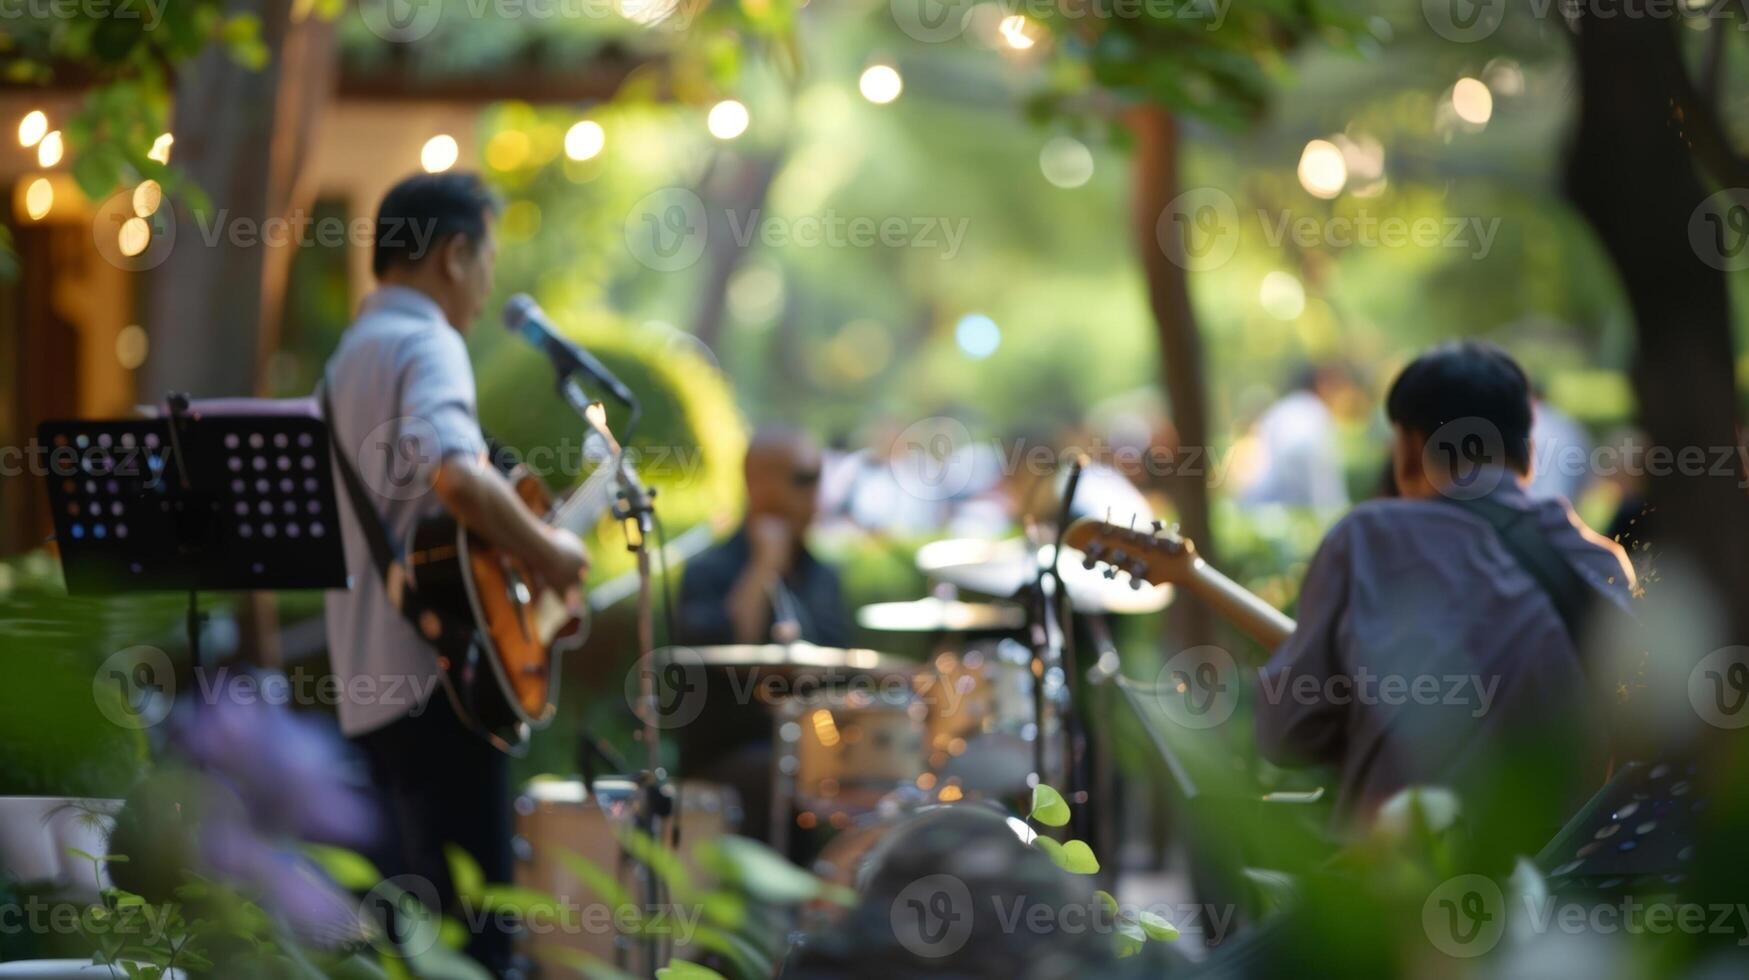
{"x": 403, "y": 399}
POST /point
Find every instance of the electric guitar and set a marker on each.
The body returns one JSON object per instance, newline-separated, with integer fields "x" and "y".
{"x": 508, "y": 685}
{"x": 1162, "y": 557}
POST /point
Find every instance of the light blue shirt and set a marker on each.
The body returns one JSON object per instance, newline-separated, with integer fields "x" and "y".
{"x": 402, "y": 391}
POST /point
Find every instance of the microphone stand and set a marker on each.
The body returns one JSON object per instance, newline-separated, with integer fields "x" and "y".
{"x": 635, "y": 512}
{"x": 1045, "y": 595}
{"x": 1052, "y": 651}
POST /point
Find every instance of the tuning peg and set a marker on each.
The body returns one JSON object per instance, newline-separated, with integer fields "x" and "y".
{"x": 1158, "y": 526}
{"x": 1111, "y": 571}
{"x": 1088, "y": 562}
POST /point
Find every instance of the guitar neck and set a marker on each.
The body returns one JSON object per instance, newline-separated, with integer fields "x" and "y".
{"x": 1238, "y": 605}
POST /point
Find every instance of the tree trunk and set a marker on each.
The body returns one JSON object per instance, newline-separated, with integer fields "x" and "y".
{"x": 204, "y": 313}
{"x": 243, "y": 138}
{"x": 742, "y": 190}
{"x": 1631, "y": 172}
{"x": 1156, "y": 185}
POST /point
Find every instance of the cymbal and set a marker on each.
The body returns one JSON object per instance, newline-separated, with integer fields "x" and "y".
{"x": 932, "y": 615}
{"x": 793, "y": 658}
{"x": 996, "y": 568}
{"x": 1004, "y": 568}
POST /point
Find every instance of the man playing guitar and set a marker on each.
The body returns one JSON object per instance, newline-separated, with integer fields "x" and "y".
{"x": 402, "y": 401}
{"x": 1440, "y": 635}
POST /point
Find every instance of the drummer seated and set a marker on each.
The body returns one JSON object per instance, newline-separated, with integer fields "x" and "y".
{"x": 762, "y": 585}
{"x": 759, "y": 586}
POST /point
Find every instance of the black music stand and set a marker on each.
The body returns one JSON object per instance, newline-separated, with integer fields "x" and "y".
{"x": 221, "y": 496}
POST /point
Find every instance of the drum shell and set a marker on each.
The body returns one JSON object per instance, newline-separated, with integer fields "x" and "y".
{"x": 556, "y": 817}
{"x": 857, "y": 742}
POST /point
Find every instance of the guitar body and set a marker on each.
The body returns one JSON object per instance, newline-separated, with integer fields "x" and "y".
{"x": 509, "y": 684}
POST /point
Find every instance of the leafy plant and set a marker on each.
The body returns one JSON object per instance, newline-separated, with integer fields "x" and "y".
{"x": 743, "y": 901}
{"x": 1134, "y": 926}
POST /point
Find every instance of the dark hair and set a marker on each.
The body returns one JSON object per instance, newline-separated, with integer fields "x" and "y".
{"x": 422, "y": 212}
{"x": 1465, "y": 379}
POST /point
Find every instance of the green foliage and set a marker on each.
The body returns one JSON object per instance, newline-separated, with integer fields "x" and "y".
{"x": 206, "y": 928}
{"x": 1220, "y": 62}
{"x": 1133, "y": 927}
{"x": 742, "y": 879}
{"x": 55, "y": 716}
{"x": 1048, "y": 807}
{"x": 133, "y": 52}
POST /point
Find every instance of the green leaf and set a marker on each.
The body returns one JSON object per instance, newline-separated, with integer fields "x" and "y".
{"x": 1156, "y": 927}
{"x": 665, "y": 863}
{"x": 746, "y": 959}
{"x": 242, "y": 35}
{"x": 349, "y": 869}
{"x": 1275, "y": 889}
{"x": 1052, "y": 849}
{"x": 1130, "y": 938}
{"x": 726, "y": 909}
{"x": 1108, "y": 900}
{"x": 684, "y": 970}
{"x": 604, "y": 886}
{"x": 1049, "y": 807}
{"x": 765, "y": 874}
{"x": 470, "y": 881}
{"x": 1078, "y": 858}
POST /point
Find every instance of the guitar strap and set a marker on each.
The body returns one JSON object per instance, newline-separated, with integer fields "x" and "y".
{"x": 452, "y": 639}
{"x": 1518, "y": 532}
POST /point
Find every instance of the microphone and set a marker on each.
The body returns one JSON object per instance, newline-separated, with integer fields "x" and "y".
{"x": 522, "y": 315}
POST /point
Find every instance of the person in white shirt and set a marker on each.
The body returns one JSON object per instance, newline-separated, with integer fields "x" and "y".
{"x": 1301, "y": 463}
{"x": 402, "y": 396}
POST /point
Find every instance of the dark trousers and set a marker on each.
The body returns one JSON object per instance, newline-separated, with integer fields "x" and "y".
{"x": 439, "y": 784}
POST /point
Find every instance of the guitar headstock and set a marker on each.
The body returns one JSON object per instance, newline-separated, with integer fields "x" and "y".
{"x": 1148, "y": 553}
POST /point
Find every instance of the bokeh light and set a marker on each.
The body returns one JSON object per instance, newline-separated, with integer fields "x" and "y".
{"x": 727, "y": 120}
{"x": 160, "y": 150}
{"x": 134, "y": 236}
{"x": 1066, "y": 162}
{"x": 131, "y": 346}
{"x": 1282, "y": 296}
{"x": 507, "y": 150}
{"x": 585, "y": 140}
{"x": 147, "y": 197}
{"x": 1472, "y": 101}
{"x": 1323, "y": 172}
{"x": 977, "y": 335}
{"x": 1014, "y": 33}
{"x": 881, "y": 84}
{"x": 33, "y": 127}
{"x": 439, "y": 153}
{"x": 50, "y": 149}
{"x": 39, "y": 199}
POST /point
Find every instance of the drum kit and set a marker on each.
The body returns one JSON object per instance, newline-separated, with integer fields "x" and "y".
{"x": 861, "y": 739}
